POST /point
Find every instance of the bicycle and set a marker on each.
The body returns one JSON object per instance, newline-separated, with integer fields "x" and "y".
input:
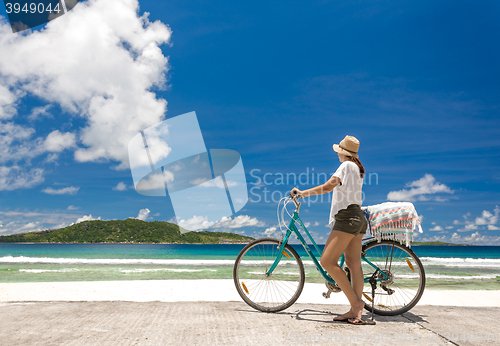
{"x": 269, "y": 274}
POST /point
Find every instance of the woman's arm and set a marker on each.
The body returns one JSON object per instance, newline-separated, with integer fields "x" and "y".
{"x": 320, "y": 189}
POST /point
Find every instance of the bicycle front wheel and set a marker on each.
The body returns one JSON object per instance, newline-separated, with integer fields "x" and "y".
{"x": 277, "y": 291}
{"x": 405, "y": 284}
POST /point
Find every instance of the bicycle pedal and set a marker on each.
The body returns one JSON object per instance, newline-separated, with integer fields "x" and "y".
{"x": 331, "y": 288}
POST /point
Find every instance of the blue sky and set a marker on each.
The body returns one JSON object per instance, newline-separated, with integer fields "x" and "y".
{"x": 415, "y": 82}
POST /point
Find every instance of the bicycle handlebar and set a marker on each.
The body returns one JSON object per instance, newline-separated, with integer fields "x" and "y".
{"x": 294, "y": 196}
{"x": 294, "y": 193}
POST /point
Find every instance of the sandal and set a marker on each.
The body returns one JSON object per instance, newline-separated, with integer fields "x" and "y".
{"x": 360, "y": 321}
{"x": 341, "y": 319}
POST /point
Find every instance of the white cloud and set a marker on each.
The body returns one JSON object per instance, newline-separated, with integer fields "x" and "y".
{"x": 217, "y": 182}
{"x": 177, "y": 167}
{"x": 195, "y": 223}
{"x": 70, "y": 190}
{"x": 62, "y": 225}
{"x": 199, "y": 181}
{"x": 52, "y": 157}
{"x": 21, "y": 213}
{"x": 436, "y": 228}
{"x": 143, "y": 214}
{"x": 86, "y": 218}
{"x": 40, "y": 112}
{"x": 31, "y": 226}
{"x": 475, "y": 238}
{"x": 158, "y": 148}
{"x": 155, "y": 181}
{"x": 440, "y": 199}
{"x": 270, "y": 230}
{"x": 120, "y": 186}
{"x": 316, "y": 223}
{"x": 15, "y": 227}
{"x": 238, "y": 222}
{"x": 201, "y": 222}
{"x": 419, "y": 190}
{"x": 57, "y": 141}
{"x": 487, "y": 220}
{"x": 30, "y": 221}
{"x": 469, "y": 227}
{"x": 16, "y": 143}
{"x": 100, "y": 63}
{"x": 72, "y": 207}
{"x": 7, "y": 100}
{"x": 13, "y": 178}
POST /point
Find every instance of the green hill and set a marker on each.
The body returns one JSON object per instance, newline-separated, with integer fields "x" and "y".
{"x": 124, "y": 231}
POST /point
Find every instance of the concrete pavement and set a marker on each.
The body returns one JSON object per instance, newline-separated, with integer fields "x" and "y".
{"x": 233, "y": 323}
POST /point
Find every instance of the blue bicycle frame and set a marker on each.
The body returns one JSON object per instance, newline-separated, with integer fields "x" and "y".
{"x": 326, "y": 276}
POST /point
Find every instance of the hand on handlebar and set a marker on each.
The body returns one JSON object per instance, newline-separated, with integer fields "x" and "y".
{"x": 296, "y": 193}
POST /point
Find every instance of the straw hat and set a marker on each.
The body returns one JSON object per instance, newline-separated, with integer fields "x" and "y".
{"x": 348, "y": 146}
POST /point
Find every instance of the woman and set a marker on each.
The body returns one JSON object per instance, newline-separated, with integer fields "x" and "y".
{"x": 348, "y": 224}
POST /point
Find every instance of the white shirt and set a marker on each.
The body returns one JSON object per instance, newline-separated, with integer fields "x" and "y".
{"x": 350, "y": 190}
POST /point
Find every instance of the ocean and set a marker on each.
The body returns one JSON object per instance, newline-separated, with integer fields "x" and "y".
{"x": 446, "y": 267}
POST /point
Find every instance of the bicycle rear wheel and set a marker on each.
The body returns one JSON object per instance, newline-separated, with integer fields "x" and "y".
{"x": 405, "y": 285}
{"x": 276, "y": 292}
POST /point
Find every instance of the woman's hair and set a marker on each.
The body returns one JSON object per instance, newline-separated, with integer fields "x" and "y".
{"x": 356, "y": 161}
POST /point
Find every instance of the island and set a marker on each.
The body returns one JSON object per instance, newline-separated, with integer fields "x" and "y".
{"x": 132, "y": 231}
{"x": 440, "y": 243}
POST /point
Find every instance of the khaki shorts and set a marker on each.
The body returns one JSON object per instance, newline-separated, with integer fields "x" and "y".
{"x": 351, "y": 220}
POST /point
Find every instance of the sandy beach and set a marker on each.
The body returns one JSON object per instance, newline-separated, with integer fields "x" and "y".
{"x": 205, "y": 290}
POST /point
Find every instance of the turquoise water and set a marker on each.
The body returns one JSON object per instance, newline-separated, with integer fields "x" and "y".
{"x": 122, "y": 251}
{"x": 451, "y": 267}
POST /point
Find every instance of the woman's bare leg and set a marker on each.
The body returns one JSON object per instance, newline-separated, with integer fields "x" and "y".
{"x": 336, "y": 244}
{"x": 353, "y": 261}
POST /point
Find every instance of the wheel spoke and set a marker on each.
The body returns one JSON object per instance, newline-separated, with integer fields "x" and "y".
{"x": 277, "y": 291}
{"x": 407, "y": 284}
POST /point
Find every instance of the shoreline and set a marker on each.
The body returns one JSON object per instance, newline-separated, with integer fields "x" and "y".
{"x": 130, "y": 243}
{"x": 222, "y": 243}
{"x": 214, "y": 290}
